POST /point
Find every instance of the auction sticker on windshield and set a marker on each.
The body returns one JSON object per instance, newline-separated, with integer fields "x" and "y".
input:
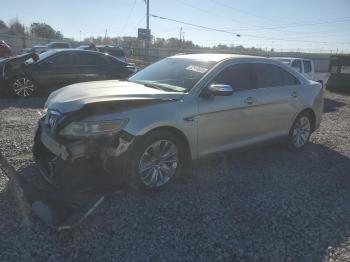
{"x": 198, "y": 69}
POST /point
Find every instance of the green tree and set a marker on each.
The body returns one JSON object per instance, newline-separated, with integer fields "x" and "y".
{"x": 2, "y": 25}
{"x": 42, "y": 30}
{"x": 16, "y": 27}
{"x": 58, "y": 35}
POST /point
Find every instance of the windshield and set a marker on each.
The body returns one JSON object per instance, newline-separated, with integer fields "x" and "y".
{"x": 173, "y": 74}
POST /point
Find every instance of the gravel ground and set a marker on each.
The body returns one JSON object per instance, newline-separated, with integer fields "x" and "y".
{"x": 264, "y": 204}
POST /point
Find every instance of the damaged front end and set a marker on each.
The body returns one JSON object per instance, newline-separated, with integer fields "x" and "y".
{"x": 77, "y": 173}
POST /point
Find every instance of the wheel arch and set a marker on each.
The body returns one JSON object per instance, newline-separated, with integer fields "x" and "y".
{"x": 312, "y": 114}
{"x": 12, "y": 78}
{"x": 179, "y": 134}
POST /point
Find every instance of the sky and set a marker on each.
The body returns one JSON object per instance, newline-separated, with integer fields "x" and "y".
{"x": 313, "y": 25}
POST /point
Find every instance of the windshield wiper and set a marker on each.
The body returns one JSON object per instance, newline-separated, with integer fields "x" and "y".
{"x": 153, "y": 86}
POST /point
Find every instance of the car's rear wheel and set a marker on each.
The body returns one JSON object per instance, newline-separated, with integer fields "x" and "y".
{"x": 23, "y": 86}
{"x": 300, "y": 132}
{"x": 155, "y": 161}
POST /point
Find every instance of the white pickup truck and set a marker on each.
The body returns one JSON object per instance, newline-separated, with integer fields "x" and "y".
{"x": 305, "y": 67}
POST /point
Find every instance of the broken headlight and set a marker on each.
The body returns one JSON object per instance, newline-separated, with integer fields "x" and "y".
{"x": 93, "y": 128}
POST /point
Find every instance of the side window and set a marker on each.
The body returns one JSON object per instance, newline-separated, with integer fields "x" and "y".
{"x": 267, "y": 75}
{"x": 90, "y": 59}
{"x": 297, "y": 65}
{"x": 307, "y": 66}
{"x": 61, "y": 60}
{"x": 238, "y": 76}
{"x": 288, "y": 78}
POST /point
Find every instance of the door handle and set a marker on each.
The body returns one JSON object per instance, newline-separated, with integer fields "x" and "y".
{"x": 250, "y": 100}
{"x": 294, "y": 94}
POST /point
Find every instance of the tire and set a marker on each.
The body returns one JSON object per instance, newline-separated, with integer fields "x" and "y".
{"x": 23, "y": 86}
{"x": 300, "y": 131}
{"x": 158, "y": 171}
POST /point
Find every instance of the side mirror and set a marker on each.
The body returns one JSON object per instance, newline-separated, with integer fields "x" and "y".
{"x": 220, "y": 90}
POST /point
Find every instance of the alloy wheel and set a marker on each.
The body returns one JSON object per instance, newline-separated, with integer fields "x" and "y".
{"x": 23, "y": 87}
{"x": 158, "y": 163}
{"x": 301, "y": 131}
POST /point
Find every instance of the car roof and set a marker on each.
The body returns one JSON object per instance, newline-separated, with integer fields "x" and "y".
{"x": 215, "y": 57}
{"x": 290, "y": 58}
{"x": 57, "y": 43}
{"x": 61, "y": 50}
{"x": 109, "y": 46}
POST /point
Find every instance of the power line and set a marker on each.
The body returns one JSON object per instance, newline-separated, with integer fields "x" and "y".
{"x": 199, "y": 26}
{"x": 301, "y": 24}
{"x": 127, "y": 20}
{"x": 243, "y": 11}
{"x": 209, "y": 12}
{"x": 234, "y": 33}
{"x": 318, "y": 22}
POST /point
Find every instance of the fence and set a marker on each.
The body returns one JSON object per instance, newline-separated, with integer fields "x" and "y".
{"x": 18, "y": 42}
{"x": 321, "y": 61}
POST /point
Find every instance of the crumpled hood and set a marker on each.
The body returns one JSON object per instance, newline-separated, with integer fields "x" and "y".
{"x": 74, "y": 97}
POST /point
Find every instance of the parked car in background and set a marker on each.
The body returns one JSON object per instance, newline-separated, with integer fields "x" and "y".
{"x": 58, "y": 45}
{"x": 339, "y": 69}
{"x": 5, "y": 49}
{"x": 180, "y": 108}
{"x": 28, "y": 74}
{"x": 305, "y": 67}
{"x": 38, "y": 49}
{"x": 115, "y": 51}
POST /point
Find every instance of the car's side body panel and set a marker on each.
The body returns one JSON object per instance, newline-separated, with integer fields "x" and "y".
{"x": 210, "y": 124}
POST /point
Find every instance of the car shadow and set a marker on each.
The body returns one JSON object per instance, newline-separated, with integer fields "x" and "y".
{"x": 262, "y": 204}
{"x": 32, "y": 102}
{"x": 331, "y": 105}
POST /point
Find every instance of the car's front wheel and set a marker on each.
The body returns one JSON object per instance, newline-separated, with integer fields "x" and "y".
{"x": 155, "y": 161}
{"x": 300, "y": 132}
{"x": 23, "y": 86}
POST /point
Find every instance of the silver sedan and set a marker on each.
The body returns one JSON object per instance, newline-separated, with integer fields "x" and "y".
{"x": 181, "y": 108}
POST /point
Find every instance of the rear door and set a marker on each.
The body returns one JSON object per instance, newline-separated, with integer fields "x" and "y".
{"x": 279, "y": 91}
{"x": 91, "y": 66}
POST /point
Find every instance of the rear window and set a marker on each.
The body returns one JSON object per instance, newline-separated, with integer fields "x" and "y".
{"x": 90, "y": 59}
{"x": 112, "y": 52}
{"x": 307, "y": 66}
{"x": 297, "y": 65}
{"x": 59, "y": 45}
{"x": 267, "y": 75}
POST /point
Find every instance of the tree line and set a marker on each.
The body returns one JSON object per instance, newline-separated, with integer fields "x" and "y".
{"x": 43, "y": 30}
{"x": 36, "y": 29}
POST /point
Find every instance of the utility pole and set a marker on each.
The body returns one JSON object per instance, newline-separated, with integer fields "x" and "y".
{"x": 180, "y": 39}
{"x": 148, "y": 32}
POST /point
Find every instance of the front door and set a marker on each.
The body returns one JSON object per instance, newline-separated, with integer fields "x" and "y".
{"x": 226, "y": 122}
{"x": 56, "y": 71}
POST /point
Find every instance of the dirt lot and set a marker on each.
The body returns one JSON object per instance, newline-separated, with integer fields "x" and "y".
{"x": 265, "y": 204}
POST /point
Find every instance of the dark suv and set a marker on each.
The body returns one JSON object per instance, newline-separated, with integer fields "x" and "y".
{"x": 58, "y": 45}
{"x": 115, "y": 51}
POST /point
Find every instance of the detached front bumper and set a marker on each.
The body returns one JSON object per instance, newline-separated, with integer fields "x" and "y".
{"x": 78, "y": 173}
